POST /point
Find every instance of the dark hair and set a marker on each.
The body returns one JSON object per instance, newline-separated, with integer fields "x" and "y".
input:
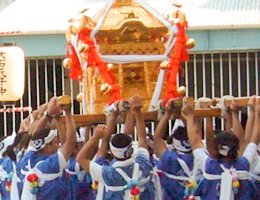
{"x": 229, "y": 139}
{"x": 22, "y": 139}
{"x": 181, "y": 133}
{"x": 9, "y": 150}
{"x": 120, "y": 140}
{"x": 40, "y": 134}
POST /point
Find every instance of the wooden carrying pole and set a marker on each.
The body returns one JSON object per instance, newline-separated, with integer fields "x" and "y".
{"x": 216, "y": 112}
{"x": 88, "y": 120}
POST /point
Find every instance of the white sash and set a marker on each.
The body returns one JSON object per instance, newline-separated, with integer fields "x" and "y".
{"x": 157, "y": 183}
{"x": 226, "y": 190}
{"x": 80, "y": 174}
{"x": 14, "y": 193}
{"x": 26, "y": 194}
{"x": 191, "y": 174}
{"x": 137, "y": 174}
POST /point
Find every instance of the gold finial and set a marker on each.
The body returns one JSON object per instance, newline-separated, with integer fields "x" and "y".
{"x": 80, "y": 97}
{"x": 190, "y": 43}
{"x": 164, "y": 65}
{"x": 82, "y": 47}
{"x": 105, "y": 88}
{"x": 66, "y": 63}
{"x": 181, "y": 90}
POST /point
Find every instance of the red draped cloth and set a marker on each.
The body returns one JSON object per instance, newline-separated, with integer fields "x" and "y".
{"x": 180, "y": 53}
{"x": 95, "y": 60}
{"x": 75, "y": 70}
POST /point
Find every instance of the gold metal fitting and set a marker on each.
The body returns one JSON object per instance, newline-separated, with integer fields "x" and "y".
{"x": 190, "y": 43}
{"x": 110, "y": 66}
{"x": 181, "y": 90}
{"x": 80, "y": 97}
{"x": 82, "y": 47}
{"x": 178, "y": 5}
{"x": 105, "y": 88}
{"x": 164, "y": 65}
{"x": 66, "y": 63}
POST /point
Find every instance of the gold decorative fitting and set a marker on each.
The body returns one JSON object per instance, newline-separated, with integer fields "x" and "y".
{"x": 190, "y": 43}
{"x": 84, "y": 57}
{"x": 178, "y": 5}
{"x": 164, "y": 65}
{"x": 86, "y": 21}
{"x": 110, "y": 66}
{"x": 133, "y": 74}
{"x": 80, "y": 97}
{"x": 105, "y": 88}
{"x": 181, "y": 90}
{"x": 72, "y": 20}
{"x": 74, "y": 30}
{"x": 82, "y": 47}
{"x": 83, "y": 10}
{"x": 66, "y": 63}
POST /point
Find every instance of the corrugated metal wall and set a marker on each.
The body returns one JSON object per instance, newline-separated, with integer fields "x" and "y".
{"x": 206, "y": 74}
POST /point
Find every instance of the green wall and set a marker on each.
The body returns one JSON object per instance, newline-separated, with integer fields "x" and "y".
{"x": 207, "y": 40}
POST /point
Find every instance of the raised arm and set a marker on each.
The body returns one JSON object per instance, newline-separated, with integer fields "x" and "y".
{"x": 237, "y": 127}
{"x": 60, "y": 127}
{"x": 250, "y": 120}
{"x": 111, "y": 123}
{"x": 256, "y": 129}
{"x": 86, "y": 154}
{"x": 159, "y": 142}
{"x": 71, "y": 140}
{"x": 129, "y": 122}
{"x": 193, "y": 133}
{"x": 136, "y": 105}
{"x": 45, "y": 114}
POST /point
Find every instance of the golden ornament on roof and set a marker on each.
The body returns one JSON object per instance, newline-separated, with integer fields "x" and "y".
{"x": 66, "y": 63}
{"x": 86, "y": 21}
{"x": 164, "y": 65}
{"x": 178, "y": 5}
{"x": 105, "y": 88}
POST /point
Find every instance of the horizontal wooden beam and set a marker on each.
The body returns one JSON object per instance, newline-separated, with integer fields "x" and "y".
{"x": 207, "y": 112}
{"x": 88, "y": 120}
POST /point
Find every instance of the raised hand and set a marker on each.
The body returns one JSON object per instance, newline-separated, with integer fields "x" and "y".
{"x": 136, "y": 103}
{"x": 186, "y": 107}
{"x": 99, "y": 131}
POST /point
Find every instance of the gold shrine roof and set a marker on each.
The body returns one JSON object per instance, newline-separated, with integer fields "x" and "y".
{"x": 117, "y": 16}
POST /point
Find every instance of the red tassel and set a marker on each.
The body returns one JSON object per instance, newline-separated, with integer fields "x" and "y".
{"x": 179, "y": 54}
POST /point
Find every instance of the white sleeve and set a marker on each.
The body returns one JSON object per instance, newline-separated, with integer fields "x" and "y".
{"x": 143, "y": 151}
{"x": 200, "y": 157}
{"x": 96, "y": 172}
{"x": 250, "y": 153}
{"x": 62, "y": 161}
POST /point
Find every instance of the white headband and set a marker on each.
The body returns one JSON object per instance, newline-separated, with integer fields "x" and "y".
{"x": 81, "y": 134}
{"x": 40, "y": 143}
{"x": 183, "y": 146}
{"x": 121, "y": 152}
{"x": 223, "y": 150}
{"x": 5, "y": 143}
